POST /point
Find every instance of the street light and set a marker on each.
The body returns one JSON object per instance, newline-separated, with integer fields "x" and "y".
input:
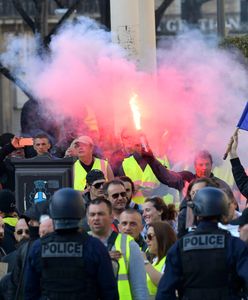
{"x": 221, "y": 18}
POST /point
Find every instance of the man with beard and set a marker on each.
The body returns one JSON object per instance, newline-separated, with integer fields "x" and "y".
{"x": 21, "y": 235}
{"x": 32, "y": 217}
{"x": 115, "y": 192}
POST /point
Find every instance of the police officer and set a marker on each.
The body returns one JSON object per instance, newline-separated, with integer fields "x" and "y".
{"x": 209, "y": 263}
{"x": 67, "y": 264}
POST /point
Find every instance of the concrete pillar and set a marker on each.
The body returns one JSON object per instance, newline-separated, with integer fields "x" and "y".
{"x": 147, "y": 35}
{"x": 133, "y": 28}
{"x": 125, "y": 26}
{"x": 6, "y": 105}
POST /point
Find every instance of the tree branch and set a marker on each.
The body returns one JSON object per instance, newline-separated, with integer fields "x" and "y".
{"x": 59, "y": 4}
{"x": 160, "y": 11}
{"x": 70, "y": 10}
{"x": 6, "y": 72}
{"x": 200, "y": 2}
{"x": 37, "y": 15}
{"x": 24, "y": 15}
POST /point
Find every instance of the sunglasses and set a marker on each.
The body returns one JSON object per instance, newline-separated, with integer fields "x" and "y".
{"x": 149, "y": 237}
{"x": 21, "y": 231}
{"x": 116, "y": 195}
{"x": 98, "y": 185}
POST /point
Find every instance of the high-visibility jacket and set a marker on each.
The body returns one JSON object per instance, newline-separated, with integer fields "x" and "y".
{"x": 143, "y": 179}
{"x": 224, "y": 172}
{"x": 122, "y": 244}
{"x": 80, "y": 173}
{"x": 152, "y": 288}
{"x": 12, "y": 221}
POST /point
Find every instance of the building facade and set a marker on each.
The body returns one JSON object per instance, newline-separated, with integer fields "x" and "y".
{"x": 174, "y": 20}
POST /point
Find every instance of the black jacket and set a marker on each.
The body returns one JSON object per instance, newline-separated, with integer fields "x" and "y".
{"x": 7, "y": 170}
{"x": 182, "y": 230}
{"x": 240, "y": 176}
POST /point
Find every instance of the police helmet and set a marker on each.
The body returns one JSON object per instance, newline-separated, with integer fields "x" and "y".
{"x": 210, "y": 201}
{"x": 66, "y": 209}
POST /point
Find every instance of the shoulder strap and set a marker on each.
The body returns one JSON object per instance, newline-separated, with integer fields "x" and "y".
{"x": 84, "y": 235}
{"x": 29, "y": 243}
{"x": 115, "y": 225}
{"x": 111, "y": 240}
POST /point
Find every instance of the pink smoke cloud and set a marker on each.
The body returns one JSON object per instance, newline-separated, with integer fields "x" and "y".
{"x": 193, "y": 101}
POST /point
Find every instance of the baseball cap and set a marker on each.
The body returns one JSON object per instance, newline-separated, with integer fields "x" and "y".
{"x": 84, "y": 139}
{"x": 7, "y": 201}
{"x": 94, "y": 175}
{"x": 242, "y": 220}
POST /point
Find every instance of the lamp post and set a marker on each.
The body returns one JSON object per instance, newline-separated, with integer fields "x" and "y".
{"x": 221, "y": 18}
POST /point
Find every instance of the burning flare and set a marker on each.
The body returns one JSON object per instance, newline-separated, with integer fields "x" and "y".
{"x": 135, "y": 110}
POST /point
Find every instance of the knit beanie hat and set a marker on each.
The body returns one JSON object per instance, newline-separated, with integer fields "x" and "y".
{"x": 94, "y": 175}
{"x": 7, "y": 201}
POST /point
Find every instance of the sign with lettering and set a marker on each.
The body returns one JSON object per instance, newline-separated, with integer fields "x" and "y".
{"x": 207, "y": 24}
{"x": 62, "y": 249}
{"x": 203, "y": 241}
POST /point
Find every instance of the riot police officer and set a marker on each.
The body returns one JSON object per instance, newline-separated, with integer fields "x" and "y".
{"x": 207, "y": 264}
{"x": 67, "y": 264}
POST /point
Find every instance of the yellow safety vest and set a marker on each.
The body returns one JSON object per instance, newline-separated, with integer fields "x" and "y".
{"x": 152, "y": 288}
{"x": 80, "y": 173}
{"x": 12, "y": 221}
{"x": 144, "y": 179}
{"x": 224, "y": 172}
{"x": 122, "y": 244}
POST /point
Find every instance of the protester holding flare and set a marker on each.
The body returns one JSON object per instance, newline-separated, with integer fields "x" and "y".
{"x": 137, "y": 161}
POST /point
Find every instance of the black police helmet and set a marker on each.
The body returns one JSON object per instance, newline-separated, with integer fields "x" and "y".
{"x": 209, "y": 202}
{"x": 66, "y": 209}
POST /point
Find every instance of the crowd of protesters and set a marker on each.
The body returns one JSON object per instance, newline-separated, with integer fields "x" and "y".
{"x": 148, "y": 246}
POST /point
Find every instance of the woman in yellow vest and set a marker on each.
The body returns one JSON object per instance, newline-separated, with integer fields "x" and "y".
{"x": 160, "y": 237}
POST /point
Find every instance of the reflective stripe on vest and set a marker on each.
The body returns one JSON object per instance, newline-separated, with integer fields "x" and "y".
{"x": 122, "y": 244}
{"x": 152, "y": 288}
{"x": 146, "y": 179}
{"x": 80, "y": 173}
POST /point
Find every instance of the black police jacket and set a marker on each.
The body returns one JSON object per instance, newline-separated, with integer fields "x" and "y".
{"x": 203, "y": 256}
{"x": 63, "y": 272}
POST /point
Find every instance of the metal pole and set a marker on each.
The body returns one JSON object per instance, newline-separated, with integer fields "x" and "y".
{"x": 221, "y": 18}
